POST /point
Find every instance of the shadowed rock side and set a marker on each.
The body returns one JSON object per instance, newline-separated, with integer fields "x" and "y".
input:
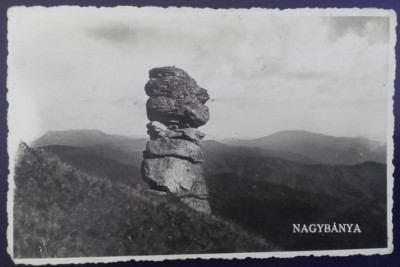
{"x": 173, "y": 156}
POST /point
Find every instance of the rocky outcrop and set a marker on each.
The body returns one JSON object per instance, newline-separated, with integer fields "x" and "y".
{"x": 173, "y": 155}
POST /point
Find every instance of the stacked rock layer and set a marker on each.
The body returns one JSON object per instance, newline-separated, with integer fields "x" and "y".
{"x": 173, "y": 156}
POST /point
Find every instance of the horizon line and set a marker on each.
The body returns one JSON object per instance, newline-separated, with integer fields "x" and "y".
{"x": 210, "y": 137}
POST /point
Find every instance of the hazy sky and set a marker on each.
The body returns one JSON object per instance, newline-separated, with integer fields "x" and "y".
{"x": 73, "y": 68}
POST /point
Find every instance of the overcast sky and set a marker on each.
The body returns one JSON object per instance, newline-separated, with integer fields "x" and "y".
{"x": 74, "y": 68}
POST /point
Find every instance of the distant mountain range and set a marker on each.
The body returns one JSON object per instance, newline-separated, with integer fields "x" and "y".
{"x": 319, "y": 148}
{"x": 88, "y": 138}
{"x": 264, "y": 185}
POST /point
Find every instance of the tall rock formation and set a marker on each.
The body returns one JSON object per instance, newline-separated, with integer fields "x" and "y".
{"x": 173, "y": 156}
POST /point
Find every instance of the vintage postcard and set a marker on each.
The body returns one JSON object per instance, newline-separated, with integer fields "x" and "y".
{"x": 174, "y": 133}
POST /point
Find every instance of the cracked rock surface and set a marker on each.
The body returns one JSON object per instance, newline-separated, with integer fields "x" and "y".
{"x": 173, "y": 155}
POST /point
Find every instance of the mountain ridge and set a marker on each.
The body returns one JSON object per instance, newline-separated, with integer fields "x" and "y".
{"x": 300, "y": 146}
{"x": 86, "y": 138}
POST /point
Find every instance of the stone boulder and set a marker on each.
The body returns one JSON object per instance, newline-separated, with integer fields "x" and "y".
{"x": 175, "y": 87}
{"x": 167, "y": 72}
{"x": 172, "y": 174}
{"x": 191, "y": 134}
{"x": 157, "y": 130}
{"x": 175, "y": 98}
{"x": 172, "y": 111}
{"x": 176, "y": 148}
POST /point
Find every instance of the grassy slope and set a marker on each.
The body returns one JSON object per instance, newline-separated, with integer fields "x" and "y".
{"x": 108, "y": 163}
{"x": 60, "y": 211}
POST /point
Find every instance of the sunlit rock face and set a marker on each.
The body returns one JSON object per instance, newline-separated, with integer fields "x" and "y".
{"x": 173, "y": 155}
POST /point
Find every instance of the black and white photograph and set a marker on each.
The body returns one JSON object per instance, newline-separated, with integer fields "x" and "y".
{"x": 172, "y": 133}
